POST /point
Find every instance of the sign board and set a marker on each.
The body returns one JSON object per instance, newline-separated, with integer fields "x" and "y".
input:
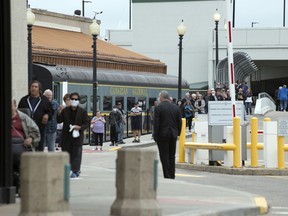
{"x": 220, "y": 112}
{"x": 282, "y": 126}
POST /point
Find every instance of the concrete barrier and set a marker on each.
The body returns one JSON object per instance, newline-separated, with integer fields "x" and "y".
{"x": 136, "y": 184}
{"x": 42, "y": 184}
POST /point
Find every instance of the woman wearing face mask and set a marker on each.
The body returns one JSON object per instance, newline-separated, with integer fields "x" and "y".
{"x": 75, "y": 121}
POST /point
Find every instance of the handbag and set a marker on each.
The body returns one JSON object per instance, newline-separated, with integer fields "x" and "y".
{"x": 91, "y": 126}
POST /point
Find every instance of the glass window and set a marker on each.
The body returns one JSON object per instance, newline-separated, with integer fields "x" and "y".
{"x": 83, "y": 101}
{"x": 56, "y": 93}
{"x": 142, "y": 102}
{"x": 91, "y": 103}
{"x": 151, "y": 102}
{"x": 130, "y": 103}
{"x": 107, "y": 103}
{"x": 120, "y": 100}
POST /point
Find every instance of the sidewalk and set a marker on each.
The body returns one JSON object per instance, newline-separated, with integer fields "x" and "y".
{"x": 94, "y": 192}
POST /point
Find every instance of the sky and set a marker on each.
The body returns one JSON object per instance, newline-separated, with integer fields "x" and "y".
{"x": 265, "y": 13}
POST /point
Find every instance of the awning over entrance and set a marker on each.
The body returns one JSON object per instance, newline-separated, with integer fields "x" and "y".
{"x": 243, "y": 67}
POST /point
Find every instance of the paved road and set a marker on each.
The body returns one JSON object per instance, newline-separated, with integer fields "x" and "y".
{"x": 273, "y": 188}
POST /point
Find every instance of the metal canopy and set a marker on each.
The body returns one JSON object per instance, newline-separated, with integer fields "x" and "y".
{"x": 243, "y": 67}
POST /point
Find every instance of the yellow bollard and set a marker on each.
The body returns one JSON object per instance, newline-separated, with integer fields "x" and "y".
{"x": 193, "y": 150}
{"x": 281, "y": 152}
{"x": 254, "y": 142}
{"x": 181, "y": 157}
{"x": 236, "y": 141}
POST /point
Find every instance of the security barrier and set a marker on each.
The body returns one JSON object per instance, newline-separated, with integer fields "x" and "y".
{"x": 235, "y": 146}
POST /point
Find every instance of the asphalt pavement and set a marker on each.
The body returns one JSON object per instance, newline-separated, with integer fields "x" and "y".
{"x": 94, "y": 191}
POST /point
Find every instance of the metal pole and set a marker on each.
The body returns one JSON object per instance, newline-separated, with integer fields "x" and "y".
{"x": 30, "y": 66}
{"x": 130, "y": 13}
{"x": 83, "y": 2}
{"x": 284, "y": 12}
{"x": 233, "y": 21}
{"x": 217, "y": 51}
{"x": 7, "y": 191}
{"x": 180, "y": 68}
{"x": 94, "y": 75}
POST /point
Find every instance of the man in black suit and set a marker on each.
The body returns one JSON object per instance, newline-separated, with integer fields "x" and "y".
{"x": 167, "y": 126}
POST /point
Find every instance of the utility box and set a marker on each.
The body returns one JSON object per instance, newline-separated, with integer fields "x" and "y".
{"x": 219, "y": 116}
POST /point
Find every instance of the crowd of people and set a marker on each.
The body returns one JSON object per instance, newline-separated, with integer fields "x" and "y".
{"x": 44, "y": 117}
{"x": 195, "y": 103}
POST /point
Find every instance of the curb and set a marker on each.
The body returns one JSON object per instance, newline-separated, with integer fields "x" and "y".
{"x": 234, "y": 171}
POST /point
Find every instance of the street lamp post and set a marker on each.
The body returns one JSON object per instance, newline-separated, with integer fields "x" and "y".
{"x": 216, "y": 17}
{"x": 181, "y": 29}
{"x": 95, "y": 30}
{"x": 30, "y": 21}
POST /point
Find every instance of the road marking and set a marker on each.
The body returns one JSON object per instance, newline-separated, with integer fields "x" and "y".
{"x": 188, "y": 175}
{"x": 262, "y": 204}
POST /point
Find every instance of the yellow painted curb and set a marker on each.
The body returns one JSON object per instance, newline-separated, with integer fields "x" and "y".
{"x": 115, "y": 148}
{"x": 262, "y": 204}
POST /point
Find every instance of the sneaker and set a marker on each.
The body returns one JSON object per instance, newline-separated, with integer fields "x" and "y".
{"x": 111, "y": 144}
{"x": 134, "y": 141}
{"x": 100, "y": 149}
{"x": 73, "y": 175}
{"x": 121, "y": 142}
{"x": 138, "y": 140}
{"x": 78, "y": 173}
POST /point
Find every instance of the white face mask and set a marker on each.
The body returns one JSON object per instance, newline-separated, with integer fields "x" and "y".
{"x": 74, "y": 103}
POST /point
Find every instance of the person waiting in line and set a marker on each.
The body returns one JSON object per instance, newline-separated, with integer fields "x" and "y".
{"x": 121, "y": 123}
{"x": 136, "y": 119}
{"x": 200, "y": 105}
{"x": 67, "y": 103}
{"x": 182, "y": 108}
{"x": 248, "y": 102}
{"x": 25, "y": 137}
{"x": 151, "y": 113}
{"x": 283, "y": 97}
{"x": 189, "y": 114}
{"x": 98, "y": 123}
{"x": 40, "y": 108}
{"x": 51, "y": 127}
{"x": 114, "y": 119}
{"x": 167, "y": 127}
{"x": 75, "y": 122}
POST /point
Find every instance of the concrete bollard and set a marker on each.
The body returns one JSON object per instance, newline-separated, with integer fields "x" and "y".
{"x": 42, "y": 184}
{"x": 136, "y": 184}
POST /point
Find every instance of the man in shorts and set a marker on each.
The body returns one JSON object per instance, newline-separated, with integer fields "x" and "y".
{"x": 136, "y": 119}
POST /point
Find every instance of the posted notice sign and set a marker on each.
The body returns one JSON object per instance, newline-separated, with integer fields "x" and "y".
{"x": 282, "y": 126}
{"x": 220, "y": 112}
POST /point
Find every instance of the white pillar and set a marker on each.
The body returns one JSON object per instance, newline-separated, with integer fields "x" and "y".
{"x": 201, "y": 135}
{"x": 228, "y": 155}
{"x": 270, "y": 144}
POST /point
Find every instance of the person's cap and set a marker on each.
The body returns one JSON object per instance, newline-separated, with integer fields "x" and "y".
{"x": 136, "y": 103}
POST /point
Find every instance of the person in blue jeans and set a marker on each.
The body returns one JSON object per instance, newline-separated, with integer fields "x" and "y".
{"x": 51, "y": 127}
{"x": 283, "y": 97}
